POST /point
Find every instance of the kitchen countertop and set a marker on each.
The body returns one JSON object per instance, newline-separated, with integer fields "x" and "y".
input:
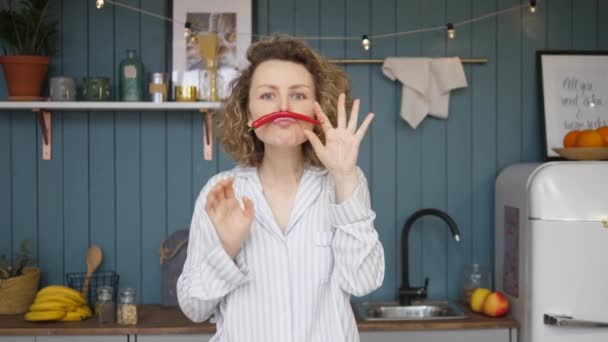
{"x": 157, "y": 319}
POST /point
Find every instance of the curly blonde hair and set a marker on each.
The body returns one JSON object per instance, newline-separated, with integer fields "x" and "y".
{"x": 234, "y": 134}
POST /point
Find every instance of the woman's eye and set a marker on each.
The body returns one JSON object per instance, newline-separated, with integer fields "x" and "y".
{"x": 299, "y": 96}
{"x": 266, "y": 96}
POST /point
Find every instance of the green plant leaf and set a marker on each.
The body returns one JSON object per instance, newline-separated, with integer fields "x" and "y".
{"x": 27, "y": 31}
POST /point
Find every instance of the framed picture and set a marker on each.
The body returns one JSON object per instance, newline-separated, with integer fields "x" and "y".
{"x": 231, "y": 20}
{"x": 573, "y": 86}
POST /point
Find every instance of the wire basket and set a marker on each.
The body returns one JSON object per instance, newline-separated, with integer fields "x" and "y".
{"x": 75, "y": 280}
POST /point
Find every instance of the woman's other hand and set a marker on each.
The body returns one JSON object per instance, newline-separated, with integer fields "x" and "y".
{"x": 231, "y": 222}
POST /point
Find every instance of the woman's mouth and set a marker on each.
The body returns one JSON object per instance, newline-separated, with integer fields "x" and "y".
{"x": 283, "y": 122}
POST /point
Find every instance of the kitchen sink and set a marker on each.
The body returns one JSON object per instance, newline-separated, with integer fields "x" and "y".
{"x": 424, "y": 310}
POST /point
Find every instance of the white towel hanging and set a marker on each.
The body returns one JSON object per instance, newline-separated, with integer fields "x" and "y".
{"x": 427, "y": 83}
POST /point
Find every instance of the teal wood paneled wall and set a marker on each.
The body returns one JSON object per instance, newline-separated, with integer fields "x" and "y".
{"x": 125, "y": 180}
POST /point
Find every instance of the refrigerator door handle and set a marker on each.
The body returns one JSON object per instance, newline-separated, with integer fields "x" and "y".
{"x": 569, "y": 322}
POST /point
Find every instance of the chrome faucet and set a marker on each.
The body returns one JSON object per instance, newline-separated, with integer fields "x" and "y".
{"x": 406, "y": 292}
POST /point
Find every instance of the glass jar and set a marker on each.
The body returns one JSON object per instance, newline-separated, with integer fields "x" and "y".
{"x": 131, "y": 76}
{"x": 96, "y": 88}
{"x": 105, "y": 309}
{"x": 474, "y": 276}
{"x": 126, "y": 312}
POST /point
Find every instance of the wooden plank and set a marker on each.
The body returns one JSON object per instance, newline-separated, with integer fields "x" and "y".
{"x": 434, "y": 241}
{"x": 535, "y": 29}
{"x": 584, "y": 24}
{"x": 559, "y": 24}
{"x": 102, "y": 146}
{"x": 50, "y": 207}
{"x": 224, "y": 160}
{"x": 75, "y": 191}
{"x": 382, "y": 134}
{"x": 24, "y": 159}
{"x": 75, "y": 142}
{"x": 261, "y": 20}
{"x": 484, "y": 131}
{"x": 128, "y": 161}
{"x": 357, "y": 19}
{"x": 6, "y": 226}
{"x": 458, "y": 155}
{"x": 508, "y": 100}
{"x": 50, "y": 179}
{"x": 3, "y": 87}
{"x": 179, "y": 171}
{"x": 308, "y": 21}
{"x": 202, "y": 169}
{"x": 602, "y": 25}
{"x": 332, "y": 23}
{"x": 409, "y": 152}
{"x": 153, "y": 160}
{"x": 56, "y": 59}
{"x": 281, "y": 14}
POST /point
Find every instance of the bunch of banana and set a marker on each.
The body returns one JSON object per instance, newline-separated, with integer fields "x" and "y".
{"x": 58, "y": 303}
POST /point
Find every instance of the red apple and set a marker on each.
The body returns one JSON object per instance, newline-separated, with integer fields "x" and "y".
{"x": 496, "y": 304}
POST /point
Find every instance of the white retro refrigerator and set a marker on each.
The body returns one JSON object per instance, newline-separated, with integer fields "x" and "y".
{"x": 551, "y": 244}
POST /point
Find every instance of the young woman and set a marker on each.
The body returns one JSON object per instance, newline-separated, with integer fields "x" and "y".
{"x": 279, "y": 244}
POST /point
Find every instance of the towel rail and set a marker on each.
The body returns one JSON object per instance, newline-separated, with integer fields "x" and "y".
{"x": 481, "y": 60}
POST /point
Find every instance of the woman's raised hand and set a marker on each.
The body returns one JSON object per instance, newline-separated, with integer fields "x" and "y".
{"x": 231, "y": 222}
{"x": 341, "y": 150}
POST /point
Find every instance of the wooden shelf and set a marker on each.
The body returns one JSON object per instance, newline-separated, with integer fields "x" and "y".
{"x": 107, "y": 105}
{"x": 44, "y": 109}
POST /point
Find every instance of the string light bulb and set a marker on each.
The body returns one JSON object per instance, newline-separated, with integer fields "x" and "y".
{"x": 532, "y": 6}
{"x": 365, "y": 42}
{"x": 99, "y": 4}
{"x": 451, "y": 31}
{"x": 188, "y": 30}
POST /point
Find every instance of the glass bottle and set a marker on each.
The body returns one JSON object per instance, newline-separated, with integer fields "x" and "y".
{"x": 131, "y": 76}
{"x": 105, "y": 308}
{"x": 126, "y": 312}
{"x": 474, "y": 276}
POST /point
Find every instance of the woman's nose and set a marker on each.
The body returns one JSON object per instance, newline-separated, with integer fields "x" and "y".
{"x": 284, "y": 105}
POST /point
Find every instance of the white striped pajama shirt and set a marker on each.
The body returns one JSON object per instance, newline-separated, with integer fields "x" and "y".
{"x": 293, "y": 286}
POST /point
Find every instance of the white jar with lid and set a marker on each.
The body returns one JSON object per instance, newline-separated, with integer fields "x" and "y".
{"x": 126, "y": 311}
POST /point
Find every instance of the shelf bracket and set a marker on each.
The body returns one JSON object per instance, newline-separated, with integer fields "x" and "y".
{"x": 44, "y": 118}
{"x": 207, "y": 133}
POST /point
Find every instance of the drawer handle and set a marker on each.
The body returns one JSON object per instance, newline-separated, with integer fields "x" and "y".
{"x": 568, "y": 321}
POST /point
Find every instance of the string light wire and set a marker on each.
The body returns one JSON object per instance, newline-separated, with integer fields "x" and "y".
{"x": 369, "y": 36}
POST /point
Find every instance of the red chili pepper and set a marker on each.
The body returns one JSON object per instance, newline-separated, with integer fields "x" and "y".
{"x": 273, "y": 116}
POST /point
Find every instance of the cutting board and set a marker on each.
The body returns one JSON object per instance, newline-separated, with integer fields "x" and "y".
{"x": 172, "y": 257}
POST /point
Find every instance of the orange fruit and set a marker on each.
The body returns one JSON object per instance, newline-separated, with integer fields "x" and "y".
{"x": 603, "y": 131}
{"x": 570, "y": 138}
{"x": 589, "y": 138}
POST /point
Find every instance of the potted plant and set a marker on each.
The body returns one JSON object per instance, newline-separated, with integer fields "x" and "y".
{"x": 25, "y": 35}
{"x": 18, "y": 283}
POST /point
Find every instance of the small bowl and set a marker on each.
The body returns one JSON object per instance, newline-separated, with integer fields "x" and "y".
{"x": 583, "y": 153}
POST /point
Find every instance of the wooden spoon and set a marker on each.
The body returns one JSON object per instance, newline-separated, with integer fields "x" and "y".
{"x": 94, "y": 257}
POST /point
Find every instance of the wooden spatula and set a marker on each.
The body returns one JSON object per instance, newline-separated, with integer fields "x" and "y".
{"x": 94, "y": 257}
